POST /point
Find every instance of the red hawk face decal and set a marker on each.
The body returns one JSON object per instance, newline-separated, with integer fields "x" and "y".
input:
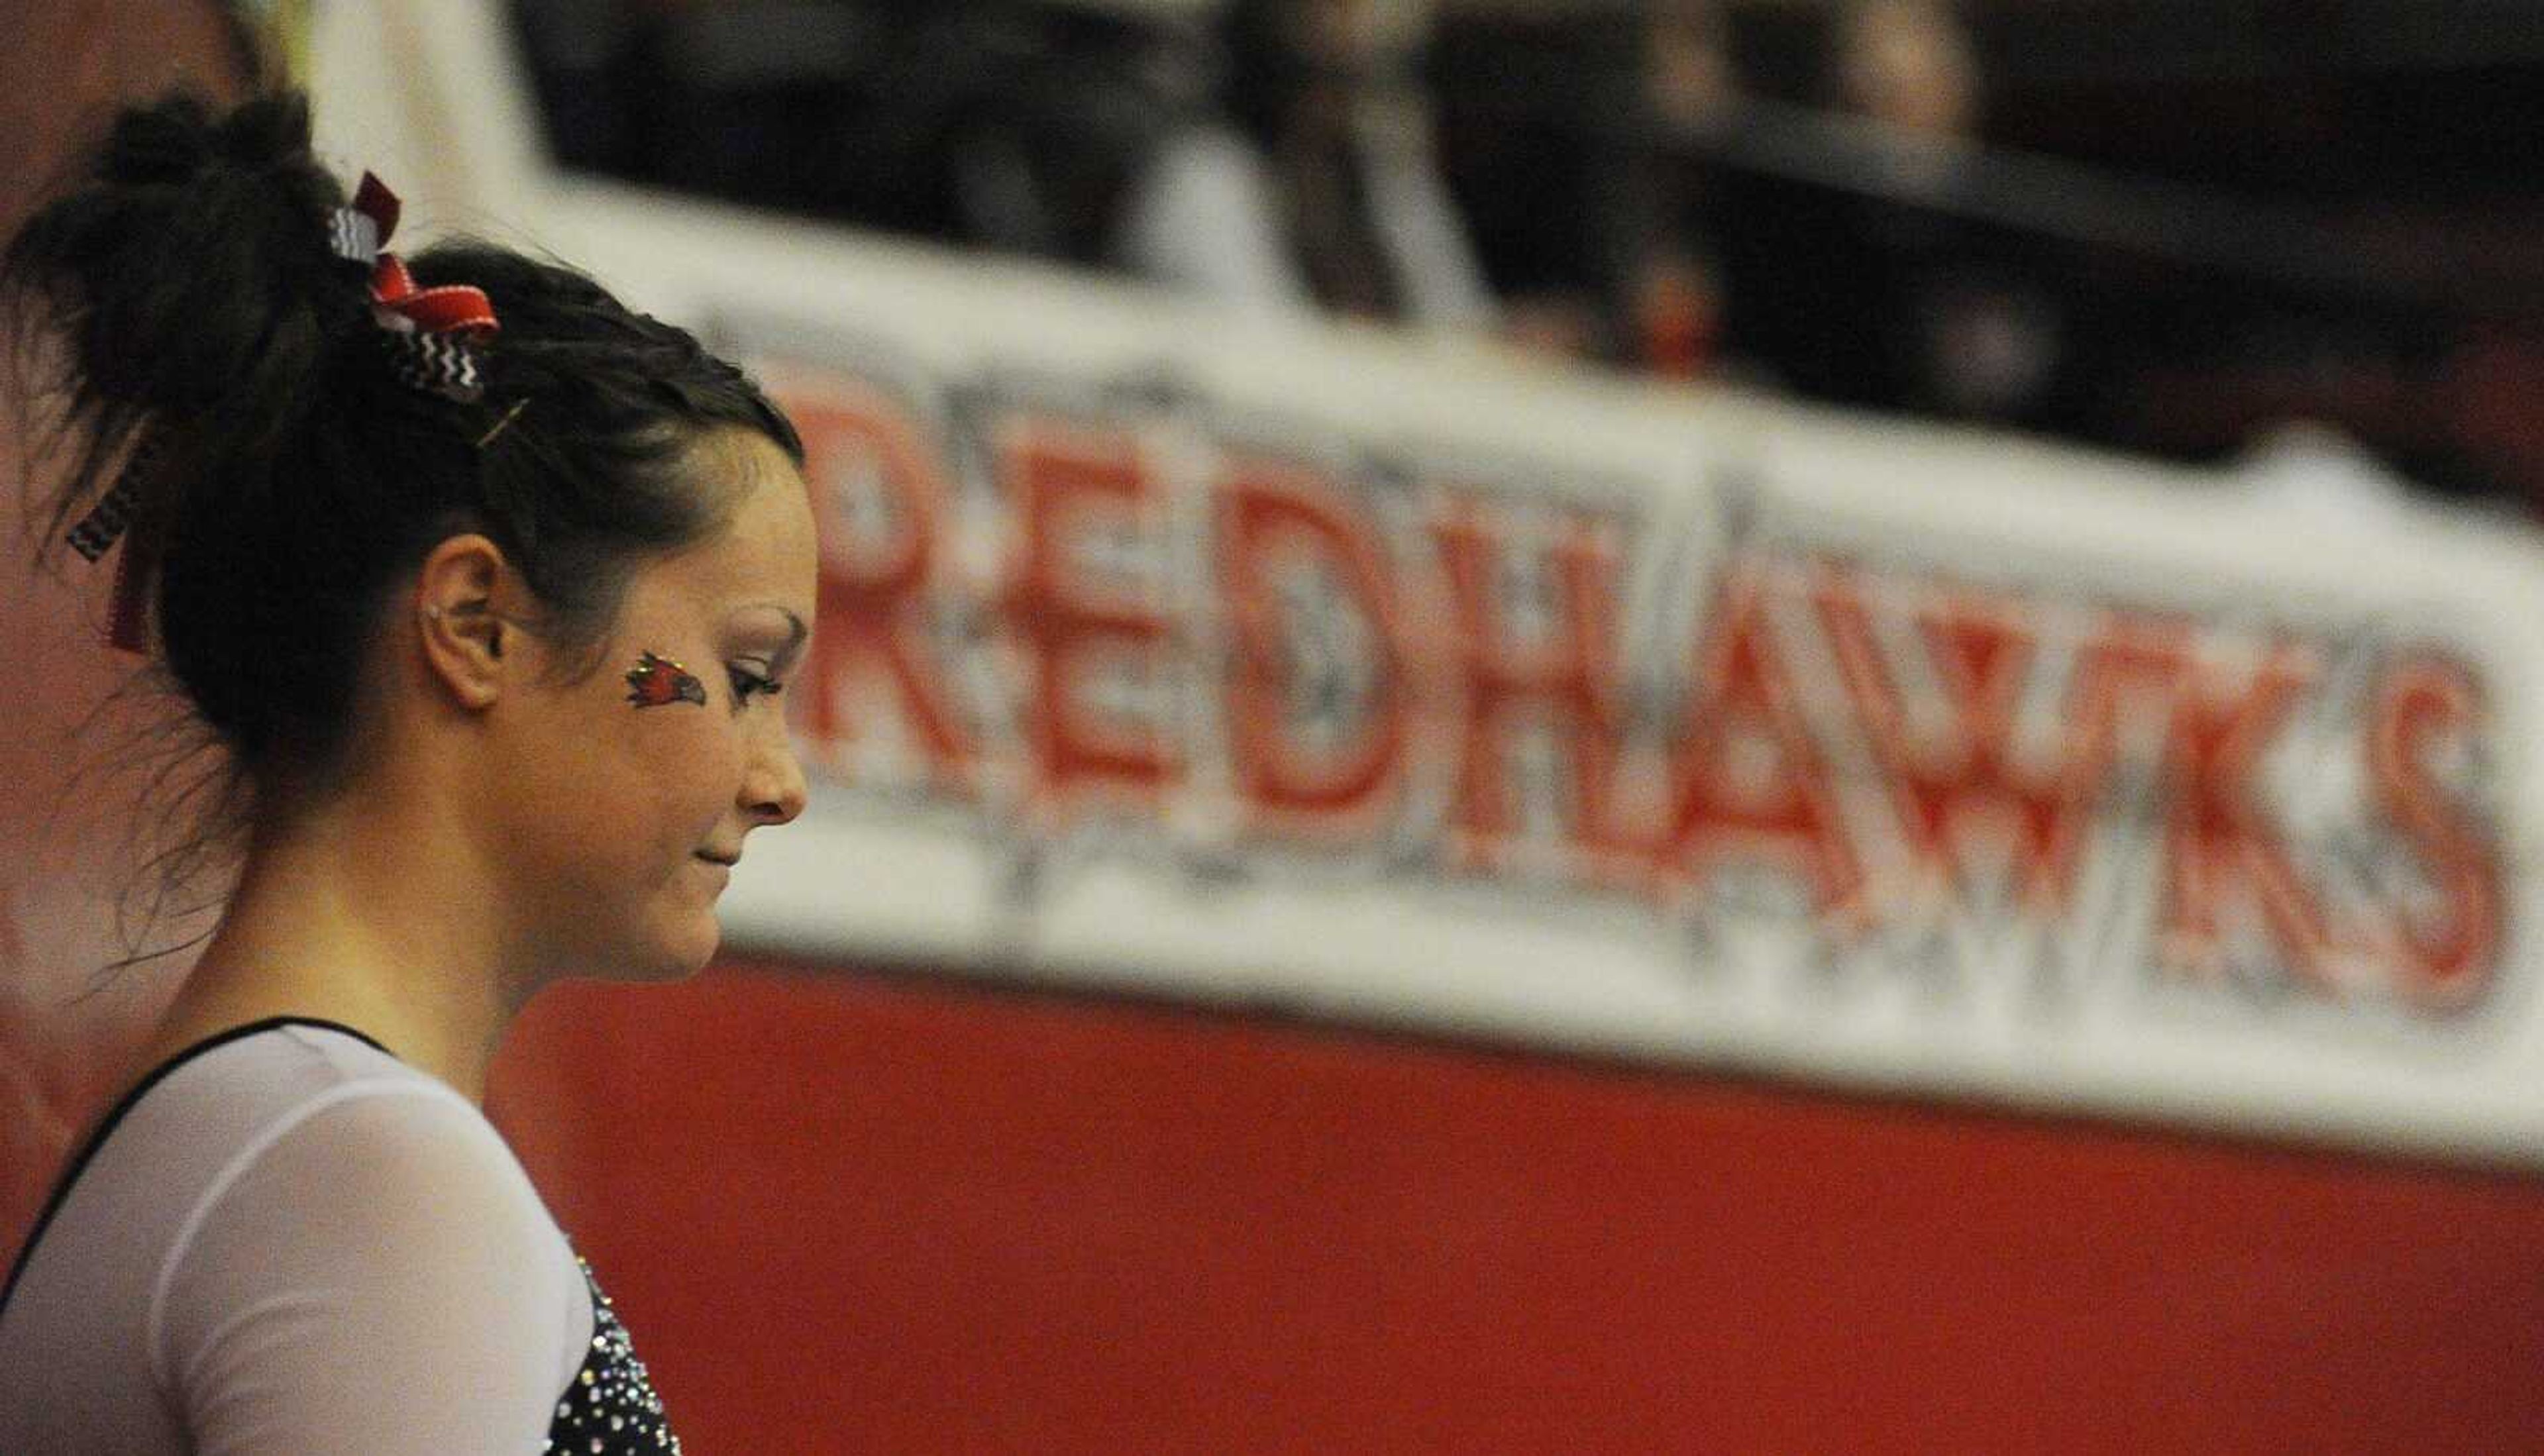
{"x": 656, "y": 680}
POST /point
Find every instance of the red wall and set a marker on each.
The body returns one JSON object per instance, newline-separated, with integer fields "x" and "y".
{"x": 843, "y": 1212}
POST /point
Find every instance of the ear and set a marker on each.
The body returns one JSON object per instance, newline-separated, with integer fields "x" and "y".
{"x": 460, "y": 595}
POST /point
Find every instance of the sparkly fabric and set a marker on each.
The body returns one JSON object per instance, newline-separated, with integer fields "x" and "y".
{"x": 610, "y": 1408}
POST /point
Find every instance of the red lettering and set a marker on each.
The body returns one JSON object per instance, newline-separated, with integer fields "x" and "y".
{"x": 1963, "y": 769}
{"x": 1495, "y": 680}
{"x": 1726, "y": 798}
{"x": 873, "y": 591}
{"x": 1073, "y": 623}
{"x": 2217, "y": 842}
{"x": 2422, "y": 700}
{"x": 1277, "y": 516}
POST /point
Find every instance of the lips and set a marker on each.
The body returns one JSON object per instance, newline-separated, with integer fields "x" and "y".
{"x": 728, "y": 861}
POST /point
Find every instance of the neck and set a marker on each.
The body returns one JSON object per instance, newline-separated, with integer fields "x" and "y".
{"x": 366, "y": 916}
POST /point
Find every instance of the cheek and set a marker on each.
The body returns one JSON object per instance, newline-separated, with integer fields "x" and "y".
{"x": 682, "y": 764}
{"x": 618, "y": 788}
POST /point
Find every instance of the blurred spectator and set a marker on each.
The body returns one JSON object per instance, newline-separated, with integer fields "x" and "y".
{"x": 1782, "y": 193}
{"x": 1589, "y": 216}
{"x": 1907, "y": 65}
{"x": 1009, "y": 124}
{"x": 1641, "y": 235}
{"x": 579, "y": 52}
{"x": 1064, "y": 106}
{"x": 1876, "y": 293}
{"x": 1670, "y": 308}
{"x": 1320, "y": 187}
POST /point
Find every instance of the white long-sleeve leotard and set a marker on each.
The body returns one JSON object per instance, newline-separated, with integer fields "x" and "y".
{"x": 287, "y": 1240}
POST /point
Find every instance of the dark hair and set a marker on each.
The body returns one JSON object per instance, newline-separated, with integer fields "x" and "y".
{"x": 188, "y": 291}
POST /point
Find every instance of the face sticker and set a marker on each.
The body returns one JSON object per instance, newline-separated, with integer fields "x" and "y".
{"x": 657, "y": 681}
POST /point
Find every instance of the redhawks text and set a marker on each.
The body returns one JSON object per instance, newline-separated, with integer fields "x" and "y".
{"x": 1088, "y": 617}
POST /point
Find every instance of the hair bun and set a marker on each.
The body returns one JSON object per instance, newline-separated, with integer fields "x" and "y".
{"x": 177, "y": 138}
{"x": 192, "y": 273}
{"x": 189, "y": 295}
{"x": 165, "y": 144}
{"x": 189, "y": 280}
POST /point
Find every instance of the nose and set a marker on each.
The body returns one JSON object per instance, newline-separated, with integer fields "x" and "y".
{"x": 772, "y": 785}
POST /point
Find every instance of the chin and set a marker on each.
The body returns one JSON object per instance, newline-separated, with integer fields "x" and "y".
{"x": 690, "y": 959}
{"x": 676, "y": 955}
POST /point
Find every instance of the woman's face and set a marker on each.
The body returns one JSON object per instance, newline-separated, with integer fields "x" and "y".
{"x": 632, "y": 789}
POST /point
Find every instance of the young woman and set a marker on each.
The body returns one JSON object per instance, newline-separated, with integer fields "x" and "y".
{"x": 486, "y": 586}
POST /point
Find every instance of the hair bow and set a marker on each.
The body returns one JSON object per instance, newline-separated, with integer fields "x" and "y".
{"x": 432, "y": 333}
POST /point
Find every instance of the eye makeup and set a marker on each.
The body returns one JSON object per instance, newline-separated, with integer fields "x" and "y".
{"x": 749, "y": 684}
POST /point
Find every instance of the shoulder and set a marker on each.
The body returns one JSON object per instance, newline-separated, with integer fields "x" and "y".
{"x": 372, "y": 1272}
{"x": 380, "y": 1139}
{"x": 320, "y": 1115}
{"x": 363, "y": 1177}
{"x": 376, "y": 1225}
{"x": 243, "y": 1086}
{"x": 371, "y": 1149}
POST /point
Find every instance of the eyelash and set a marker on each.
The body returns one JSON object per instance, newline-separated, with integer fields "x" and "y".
{"x": 747, "y": 684}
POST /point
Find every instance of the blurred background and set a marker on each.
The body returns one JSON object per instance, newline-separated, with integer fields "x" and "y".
{"x": 1694, "y": 725}
{"x": 2162, "y": 226}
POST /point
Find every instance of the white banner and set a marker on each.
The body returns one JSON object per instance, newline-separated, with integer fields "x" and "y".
{"x": 1280, "y": 666}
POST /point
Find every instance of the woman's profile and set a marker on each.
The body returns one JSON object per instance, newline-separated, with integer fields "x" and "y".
{"x": 484, "y": 584}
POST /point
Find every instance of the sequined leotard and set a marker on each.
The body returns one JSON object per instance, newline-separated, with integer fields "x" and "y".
{"x": 285, "y": 1239}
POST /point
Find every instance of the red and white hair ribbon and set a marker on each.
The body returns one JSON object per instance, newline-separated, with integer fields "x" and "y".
{"x": 432, "y": 333}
